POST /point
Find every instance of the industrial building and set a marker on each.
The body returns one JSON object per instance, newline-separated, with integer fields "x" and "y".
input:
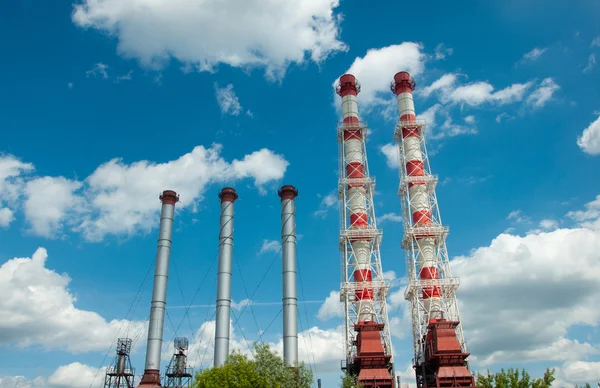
{"x": 440, "y": 353}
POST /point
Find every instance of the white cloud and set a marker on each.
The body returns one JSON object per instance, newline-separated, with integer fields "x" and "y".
{"x": 441, "y": 51}
{"x": 241, "y": 304}
{"x": 478, "y": 93}
{"x": 37, "y": 308}
{"x": 76, "y": 375}
{"x": 591, "y": 63}
{"x": 22, "y": 382}
{"x": 125, "y": 77}
{"x": 470, "y": 119}
{"x": 548, "y": 224}
{"x": 501, "y": 116}
{"x": 393, "y": 217}
{"x": 517, "y": 216}
{"x": 590, "y": 217}
{"x": 269, "y": 246}
{"x": 589, "y": 141}
{"x": 534, "y": 54}
{"x": 122, "y": 199}
{"x": 578, "y": 372}
{"x": 6, "y": 217}
{"x": 331, "y": 308}
{"x": 377, "y": 68}
{"x": 50, "y": 201}
{"x": 12, "y": 171}
{"x": 99, "y": 70}
{"x": 269, "y": 35}
{"x": 390, "y": 151}
{"x": 327, "y": 202}
{"x": 560, "y": 292}
{"x": 228, "y": 100}
{"x": 544, "y": 92}
{"x": 595, "y": 42}
{"x": 445, "y": 84}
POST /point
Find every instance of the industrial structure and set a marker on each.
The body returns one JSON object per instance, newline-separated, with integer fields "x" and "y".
{"x": 288, "y": 196}
{"x": 227, "y": 197}
{"x": 120, "y": 374}
{"x": 151, "y": 377}
{"x": 440, "y": 354}
{"x": 439, "y": 345}
{"x": 179, "y": 375}
{"x": 363, "y": 291}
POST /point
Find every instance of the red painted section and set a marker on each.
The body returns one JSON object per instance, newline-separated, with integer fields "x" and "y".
{"x": 403, "y": 83}
{"x": 415, "y": 168}
{"x": 359, "y": 220}
{"x": 407, "y": 132}
{"x": 364, "y": 294}
{"x": 430, "y": 273}
{"x": 352, "y": 134}
{"x": 348, "y": 85}
{"x": 169, "y": 197}
{"x": 363, "y": 275}
{"x": 408, "y": 117}
{"x": 351, "y": 120}
{"x": 422, "y": 217}
{"x": 370, "y": 359}
{"x": 288, "y": 192}
{"x": 355, "y": 170}
{"x": 228, "y": 194}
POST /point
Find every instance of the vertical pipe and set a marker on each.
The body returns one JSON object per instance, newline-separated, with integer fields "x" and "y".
{"x": 159, "y": 292}
{"x": 227, "y": 196}
{"x": 290, "y": 301}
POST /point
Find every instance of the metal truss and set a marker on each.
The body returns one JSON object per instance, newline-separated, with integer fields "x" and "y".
{"x": 413, "y": 235}
{"x": 373, "y": 236}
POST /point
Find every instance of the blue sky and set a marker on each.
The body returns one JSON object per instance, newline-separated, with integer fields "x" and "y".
{"x": 105, "y": 103}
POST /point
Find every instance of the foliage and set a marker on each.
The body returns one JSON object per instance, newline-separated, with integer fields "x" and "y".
{"x": 267, "y": 370}
{"x": 349, "y": 381}
{"x": 514, "y": 378}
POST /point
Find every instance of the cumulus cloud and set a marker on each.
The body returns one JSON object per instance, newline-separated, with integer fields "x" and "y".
{"x": 589, "y": 141}
{"x": 377, "y": 68}
{"x": 6, "y": 217}
{"x": 560, "y": 292}
{"x": 155, "y": 31}
{"x": 49, "y": 202}
{"x": 74, "y": 375}
{"x": 331, "y": 308}
{"x": 38, "y": 309}
{"x": 121, "y": 199}
{"x": 13, "y": 173}
{"x": 548, "y": 224}
{"x": 228, "y": 100}
{"x": 544, "y": 92}
{"x": 589, "y": 217}
{"x": 269, "y": 246}
{"x": 390, "y": 151}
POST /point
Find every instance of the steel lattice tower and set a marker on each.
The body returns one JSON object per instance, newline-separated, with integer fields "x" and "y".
{"x": 431, "y": 287}
{"x": 179, "y": 375}
{"x": 120, "y": 374}
{"x": 363, "y": 290}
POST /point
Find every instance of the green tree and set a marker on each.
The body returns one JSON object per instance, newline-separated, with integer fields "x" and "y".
{"x": 514, "y": 378}
{"x": 267, "y": 370}
{"x": 349, "y": 381}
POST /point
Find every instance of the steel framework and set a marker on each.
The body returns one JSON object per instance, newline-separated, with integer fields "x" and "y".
{"x": 363, "y": 289}
{"x": 431, "y": 287}
{"x": 120, "y": 374}
{"x": 179, "y": 375}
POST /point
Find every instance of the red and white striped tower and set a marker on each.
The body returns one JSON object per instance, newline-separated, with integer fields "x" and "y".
{"x": 363, "y": 290}
{"x": 431, "y": 289}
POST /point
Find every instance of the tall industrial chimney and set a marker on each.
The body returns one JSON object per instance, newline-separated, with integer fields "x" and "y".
{"x": 151, "y": 376}
{"x": 290, "y": 301}
{"x": 227, "y": 196}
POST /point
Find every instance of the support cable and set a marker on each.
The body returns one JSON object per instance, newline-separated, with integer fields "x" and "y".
{"x": 247, "y": 296}
{"x": 307, "y": 323}
{"x": 243, "y": 335}
{"x": 200, "y": 336}
{"x": 269, "y": 325}
{"x": 206, "y": 319}
{"x": 131, "y": 306}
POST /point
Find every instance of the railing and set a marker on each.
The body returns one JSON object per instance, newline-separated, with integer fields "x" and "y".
{"x": 447, "y": 287}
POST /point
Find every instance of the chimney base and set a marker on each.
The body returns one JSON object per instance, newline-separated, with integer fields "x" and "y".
{"x": 150, "y": 379}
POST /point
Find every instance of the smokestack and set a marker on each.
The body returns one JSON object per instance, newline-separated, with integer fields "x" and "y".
{"x": 227, "y": 196}
{"x": 290, "y": 301}
{"x": 151, "y": 376}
